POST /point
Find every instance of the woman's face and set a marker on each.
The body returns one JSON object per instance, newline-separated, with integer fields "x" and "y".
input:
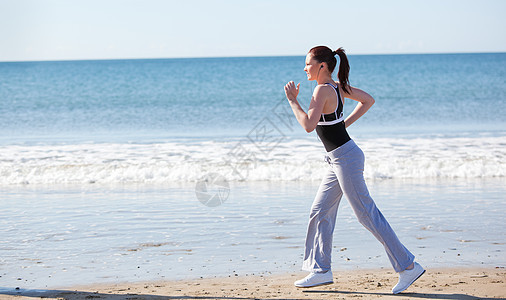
{"x": 312, "y": 67}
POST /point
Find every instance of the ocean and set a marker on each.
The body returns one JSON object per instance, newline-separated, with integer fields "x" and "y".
{"x": 179, "y": 168}
{"x": 141, "y": 121}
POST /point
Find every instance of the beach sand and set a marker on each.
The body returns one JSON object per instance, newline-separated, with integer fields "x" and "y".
{"x": 442, "y": 283}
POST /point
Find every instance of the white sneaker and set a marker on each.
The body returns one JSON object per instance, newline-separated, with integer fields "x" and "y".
{"x": 407, "y": 277}
{"x": 314, "y": 279}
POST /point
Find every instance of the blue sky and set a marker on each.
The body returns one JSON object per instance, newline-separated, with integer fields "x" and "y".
{"x": 109, "y": 29}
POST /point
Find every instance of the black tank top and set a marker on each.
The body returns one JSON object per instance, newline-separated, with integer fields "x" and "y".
{"x": 330, "y": 128}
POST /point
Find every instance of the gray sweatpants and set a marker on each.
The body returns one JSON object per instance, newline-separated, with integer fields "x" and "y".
{"x": 345, "y": 175}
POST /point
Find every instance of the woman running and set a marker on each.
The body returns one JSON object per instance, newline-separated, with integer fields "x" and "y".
{"x": 345, "y": 172}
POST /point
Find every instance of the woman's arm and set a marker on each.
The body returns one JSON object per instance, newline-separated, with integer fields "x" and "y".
{"x": 310, "y": 120}
{"x": 365, "y": 102}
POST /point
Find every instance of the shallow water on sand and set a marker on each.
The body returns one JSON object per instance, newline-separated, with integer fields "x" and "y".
{"x": 66, "y": 235}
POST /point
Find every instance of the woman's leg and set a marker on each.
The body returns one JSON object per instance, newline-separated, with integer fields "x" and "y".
{"x": 322, "y": 219}
{"x": 349, "y": 169}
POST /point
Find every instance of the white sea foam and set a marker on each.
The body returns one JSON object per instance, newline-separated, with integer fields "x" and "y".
{"x": 270, "y": 160}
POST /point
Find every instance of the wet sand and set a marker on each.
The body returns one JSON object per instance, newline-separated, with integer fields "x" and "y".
{"x": 442, "y": 283}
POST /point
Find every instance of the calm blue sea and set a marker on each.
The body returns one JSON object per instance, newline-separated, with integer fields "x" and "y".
{"x": 210, "y": 98}
{"x": 117, "y": 121}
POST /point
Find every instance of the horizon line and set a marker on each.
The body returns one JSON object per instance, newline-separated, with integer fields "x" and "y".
{"x": 240, "y": 56}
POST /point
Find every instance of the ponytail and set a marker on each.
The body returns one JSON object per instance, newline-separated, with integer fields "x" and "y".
{"x": 325, "y": 54}
{"x": 344, "y": 70}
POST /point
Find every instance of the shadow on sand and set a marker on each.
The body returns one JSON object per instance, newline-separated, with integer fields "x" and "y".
{"x": 406, "y": 295}
{"x": 67, "y": 294}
